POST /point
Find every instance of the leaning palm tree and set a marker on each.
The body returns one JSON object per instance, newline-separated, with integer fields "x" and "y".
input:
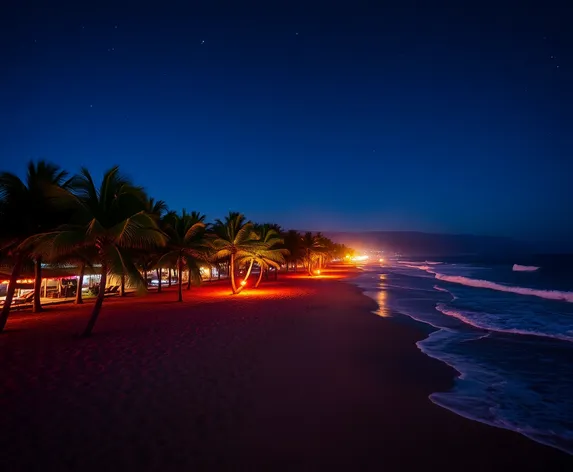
{"x": 26, "y": 209}
{"x": 110, "y": 218}
{"x": 185, "y": 245}
{"x": 233, "y": 238}
{"x": 267, "y": 253}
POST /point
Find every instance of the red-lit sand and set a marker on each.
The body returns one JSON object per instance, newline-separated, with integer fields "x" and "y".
{"x": 297, "y": 376}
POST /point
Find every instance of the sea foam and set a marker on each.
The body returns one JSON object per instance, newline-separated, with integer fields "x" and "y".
{"x": 547, "y": 294}
{"x": 522, "y": 268}
{"x": 491, "y": 323}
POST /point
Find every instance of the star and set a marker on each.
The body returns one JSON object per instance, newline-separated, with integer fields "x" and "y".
{"x": 115, "y": 26}
{"x": 296, "y": 34}
{"x": 91, "y": 106}
{"x": 203, "y": 41}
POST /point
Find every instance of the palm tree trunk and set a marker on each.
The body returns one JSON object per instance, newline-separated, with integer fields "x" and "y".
{"x": 37, "y": 285}
{"x": 244, "y": 282}
{"x": 79, "y": 299}
{"x": 232, "y": 273}
{"x": 180, "y": 279}
{"x": 260, "y": 278}
{"x": 145, "y": 278}
{"x": 122, "y": 286}
{"x": 97, "y": 307}
{"x": 158, "y": 280}
{"x": 189, "y": 279}
{"x": 169, "y": 276}
{"x": 11, "y": 290}
{"x": 219, "y": 271}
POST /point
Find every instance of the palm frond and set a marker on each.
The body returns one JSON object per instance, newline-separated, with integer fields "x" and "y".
{"x": 54, "y": 245}
{"x": 137, "y": 231}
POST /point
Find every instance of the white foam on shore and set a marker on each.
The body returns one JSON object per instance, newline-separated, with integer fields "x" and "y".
{"x": 445, "y": 290}
{"x": 522, "y": 268}
{"x": 478, "y": 283}
{"x": 479, "y": 320}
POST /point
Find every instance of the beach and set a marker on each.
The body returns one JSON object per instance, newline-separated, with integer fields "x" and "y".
{"x": 297, "y": 375}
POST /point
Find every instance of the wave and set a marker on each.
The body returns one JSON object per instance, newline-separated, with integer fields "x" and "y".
{"x": 440, "y": 289}
{"x": 479, "y": 320}
{"x": 478, "y": 283}
{"x": 445, "y": 290}
{"x": 462, "y": 407}
{"x": 433, "y": 263}
{"x": 522, "y": 268}
{"x": 412, "y": 265}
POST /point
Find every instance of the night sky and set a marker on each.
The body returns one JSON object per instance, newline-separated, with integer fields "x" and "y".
{"x": 327, "y": 115}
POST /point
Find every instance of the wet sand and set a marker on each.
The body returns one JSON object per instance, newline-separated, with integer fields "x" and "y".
{"x": 299, "y": 375}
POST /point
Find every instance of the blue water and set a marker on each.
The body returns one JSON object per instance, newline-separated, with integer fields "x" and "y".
{"x": 508, "y": 331}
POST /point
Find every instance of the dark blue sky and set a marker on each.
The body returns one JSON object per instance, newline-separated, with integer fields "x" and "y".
{"x": 327, "y": 115}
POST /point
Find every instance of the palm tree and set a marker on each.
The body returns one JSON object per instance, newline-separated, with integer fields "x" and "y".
{"x": 147, "y": 260}
{"x": 324, "y": 253}
{"x": 185, "y": 244}
{"x": 233, "y": 238}
{"x": 27, "y": 210}
{"x": 267, "y": 254}
{"x": 292, "y": 242}
{"x": 312, "y": 248}
{"x": 155, "y": 208}
{"x": 112, "y": 219}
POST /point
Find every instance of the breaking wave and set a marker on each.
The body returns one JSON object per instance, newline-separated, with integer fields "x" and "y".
{"x": 522, "y": 268}
{"x": 547, "y": 294}
{"x": 497, "y": 324}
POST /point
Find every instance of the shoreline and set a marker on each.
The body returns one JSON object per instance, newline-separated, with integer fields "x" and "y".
{"x": 298, "y": 376}
{"x": 429, "y": 329}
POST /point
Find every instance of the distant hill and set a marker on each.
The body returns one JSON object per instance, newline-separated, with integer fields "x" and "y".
{"x": 431, "y": 244}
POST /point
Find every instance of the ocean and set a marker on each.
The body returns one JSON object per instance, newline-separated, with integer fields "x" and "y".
{"x": 505, "y": 326}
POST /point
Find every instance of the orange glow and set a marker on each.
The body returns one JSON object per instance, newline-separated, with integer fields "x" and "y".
{"x": 328, "y": 275}
{"x": 381, "y": 298}
{"x": 360, "y": 258}
{"x": 243, "y": 283}
{"x": 220, "y": 294}
{"x": 318, "y": 271}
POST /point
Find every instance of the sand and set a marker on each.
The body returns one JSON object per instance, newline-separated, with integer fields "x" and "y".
{"x": 300, "y": 375}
